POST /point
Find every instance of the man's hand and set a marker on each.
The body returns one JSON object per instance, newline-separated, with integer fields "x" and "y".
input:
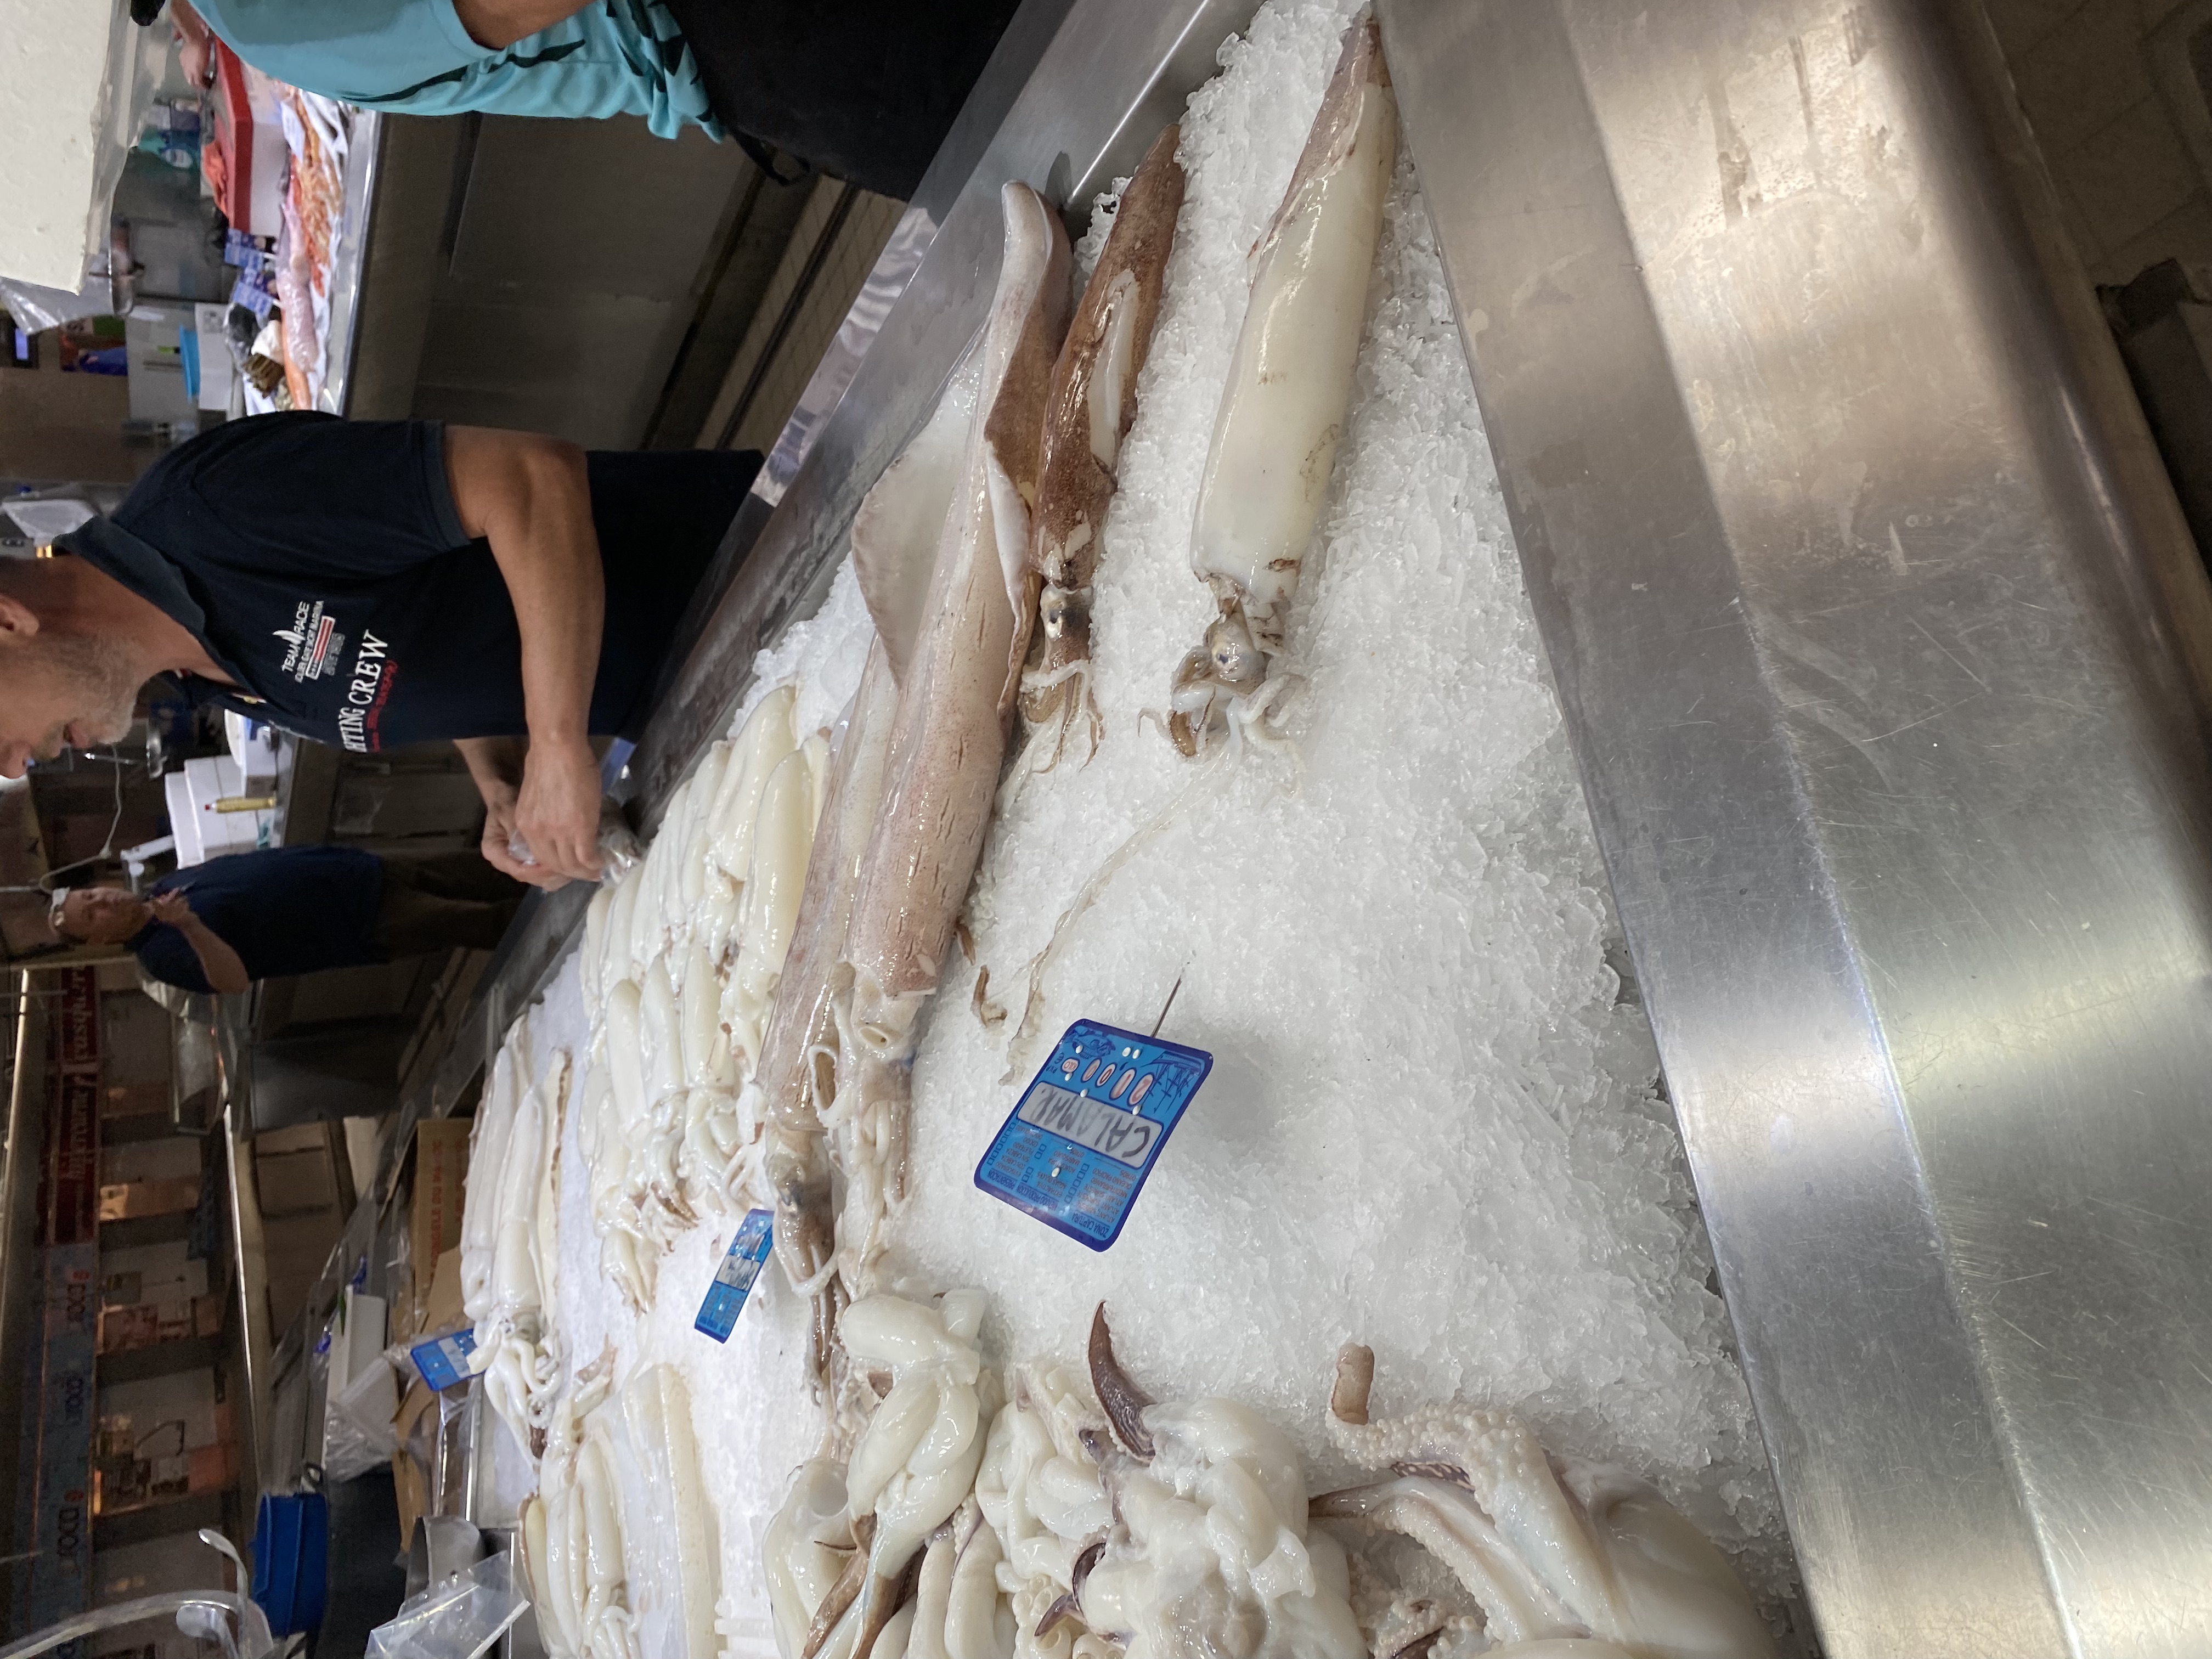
{"x": 498, "y": 844}
{"x": 558, "y": 812}
{"x": 223, "y": 968}
{"x": 499, "y": 766}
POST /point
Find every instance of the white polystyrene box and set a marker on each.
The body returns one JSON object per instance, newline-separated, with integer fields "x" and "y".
{"x": 54, "y": 74}
{"x": 208, "y": 779}
{"x": 183, "y": 821}
{"x": 253, "y": 746}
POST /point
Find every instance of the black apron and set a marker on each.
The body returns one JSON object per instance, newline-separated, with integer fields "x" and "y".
{"x": 863, "y": 90}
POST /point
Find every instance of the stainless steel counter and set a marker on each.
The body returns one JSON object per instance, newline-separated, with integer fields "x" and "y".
{"x": 1883, "y": 650}
{"x": 348, "y": 258}
{"x": 1883, "y": 643}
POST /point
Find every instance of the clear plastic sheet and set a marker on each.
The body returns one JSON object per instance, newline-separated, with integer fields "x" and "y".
{"x": 459, "y": 1619}
{"x": 358, "y": 1435}
{"x": 36, "y": 308}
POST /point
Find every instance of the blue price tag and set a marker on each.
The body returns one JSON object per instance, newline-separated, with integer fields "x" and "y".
{"x": 1089, "y": 1128}
{"x": 734, "y": 1282}
{"x": 444, "y": 1360}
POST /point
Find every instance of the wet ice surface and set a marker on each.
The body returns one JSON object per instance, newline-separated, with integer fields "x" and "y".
{"x": 752, "y": 1406}
{"x": 1430, "y": 1127}
{"x": 752, "y": 1409}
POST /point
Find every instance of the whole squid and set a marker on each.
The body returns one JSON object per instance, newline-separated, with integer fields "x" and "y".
{"x": 1209, "y": 1551}
{"x": 799, "y": 1043}
{"x": 1091, "y": 404}
{"x": 914, "y": 1464}
{"x": 1290, "y": 383}
{"x": 1556, "y": 1549}
{"x": 956, "y": 699}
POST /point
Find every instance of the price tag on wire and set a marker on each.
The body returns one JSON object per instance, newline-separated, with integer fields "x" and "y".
{"x": 444, "y": 1360}
{"x": 1083, "y": 1139}
{"x": 734, "y": 1279}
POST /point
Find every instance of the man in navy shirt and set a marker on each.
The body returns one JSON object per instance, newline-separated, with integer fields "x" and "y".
{"x": 373, "y": 583}
{"x": 222, "y": 924}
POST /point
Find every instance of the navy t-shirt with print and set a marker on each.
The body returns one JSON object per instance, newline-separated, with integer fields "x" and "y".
{"x": 284, "y": 910}
{"x": 322, "y": 565}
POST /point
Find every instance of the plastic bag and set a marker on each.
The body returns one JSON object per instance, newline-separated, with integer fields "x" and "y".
{"x": 35, "y": 308}
{"x": 459, "y": 1619}
{"x": 358, "y": 1434}
{"x": 618, "y": 846}
{"x": 47, "y": 520}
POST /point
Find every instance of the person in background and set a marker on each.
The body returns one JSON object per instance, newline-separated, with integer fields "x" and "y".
{"x": 864, "y": 90}
{"x": 220, "y": 925}
{"x": 370, "y": 584}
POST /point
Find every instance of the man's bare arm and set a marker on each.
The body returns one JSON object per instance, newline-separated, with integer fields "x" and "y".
{"x": 529, "y": 496}
{"x": 225, "y": 970}
{"x": 498, "y": 23}
{"x": 223, "y": 967}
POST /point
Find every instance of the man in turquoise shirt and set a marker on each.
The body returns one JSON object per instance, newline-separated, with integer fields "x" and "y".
{"x": 863, "y": 90}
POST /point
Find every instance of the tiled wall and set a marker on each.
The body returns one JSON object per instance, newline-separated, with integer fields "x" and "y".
{"x": 2106, "y": 84}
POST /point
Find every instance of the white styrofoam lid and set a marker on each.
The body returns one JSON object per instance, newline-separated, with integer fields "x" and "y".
{"x": 54, "y": 102}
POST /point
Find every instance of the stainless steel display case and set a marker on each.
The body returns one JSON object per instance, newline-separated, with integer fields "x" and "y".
{"x": 1884, "y": 651}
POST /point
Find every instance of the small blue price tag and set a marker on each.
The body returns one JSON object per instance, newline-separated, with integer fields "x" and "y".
{"x": 1087, "y": 1131}
{"x": 733, "y": 1281}
{"x": 444, "y": 1360}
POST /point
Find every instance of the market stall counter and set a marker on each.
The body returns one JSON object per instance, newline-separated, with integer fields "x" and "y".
{"x": 1115, "y": 1111}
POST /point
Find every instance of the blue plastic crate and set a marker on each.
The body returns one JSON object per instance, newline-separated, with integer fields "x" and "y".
{"x": 291, "y": 1559}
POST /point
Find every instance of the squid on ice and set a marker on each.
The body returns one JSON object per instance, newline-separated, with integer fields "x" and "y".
{"x": 657, "y": 1410}
{"x": 572, "y": 1531}
{"x": 1039, "y": 1488}
{"x": 957, "y": 1612}
{"x": 513, "y": 1190}
{"x": 1091, "y": 403}
{"x": 1283, "y": 407}
{"x": 797, "y": 1075}
{"x": 783, "y": 829}
{"x": 956, "y": 696}
{"x": 1209, "y": 1553}
{"x": 910, "y": 1472}
{"x": 1563, "y": 1555}
{"x": 488, "y": 1138}
{"x": 808, "y": 1545}
{"x": 681, "y": 957}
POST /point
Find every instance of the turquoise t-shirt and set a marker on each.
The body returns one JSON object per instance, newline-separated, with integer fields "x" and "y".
{"x": 613, "y": 57}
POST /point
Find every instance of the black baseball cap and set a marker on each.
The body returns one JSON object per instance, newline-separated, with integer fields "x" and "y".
{"x": 143, "y": 12}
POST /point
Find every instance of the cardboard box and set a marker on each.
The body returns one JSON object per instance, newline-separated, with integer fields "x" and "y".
{"x": 130, "y": 1199}
{"x": 134, "y": 1099}
{"x": 213, "y": 1468}
{"x": 296, "y": 1183}
{"x": 440, "y": 1159}
{"x": 298, "y": 1137}
{"x": 418, "y": 1419}
{"x": 442, "y": 1309}
{"x": 137, "y": 1325}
